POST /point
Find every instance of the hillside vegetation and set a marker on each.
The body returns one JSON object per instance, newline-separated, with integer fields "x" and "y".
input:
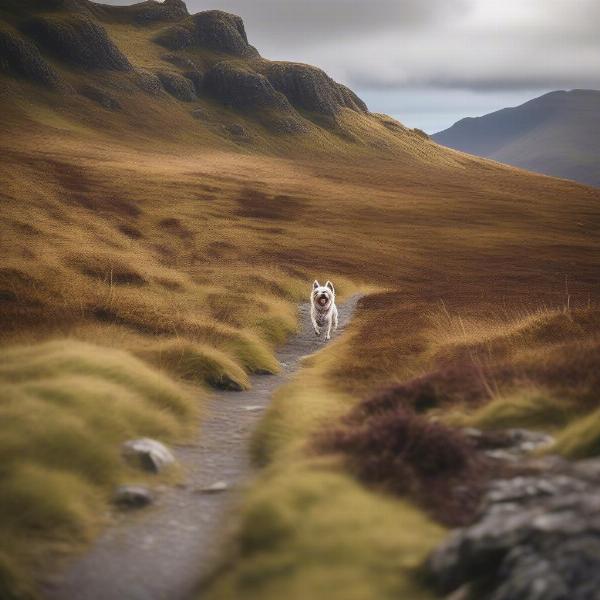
{"x": 168, "y": 196}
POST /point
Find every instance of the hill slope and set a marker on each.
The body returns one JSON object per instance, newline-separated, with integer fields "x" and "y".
{"x": 556, "y": 134}
{"x": 152, "y": 69}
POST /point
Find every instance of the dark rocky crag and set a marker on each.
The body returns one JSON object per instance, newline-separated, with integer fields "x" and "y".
{"x": 77, "y": 40}
{"x": 21, "y": 58}
{"x": 67, "y": 44}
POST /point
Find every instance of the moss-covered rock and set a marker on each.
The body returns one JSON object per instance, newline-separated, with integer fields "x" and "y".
{"x": 175, "y": 38}
{"x": 148, "y": 82}
{"x": 178, "y": 86}
{"x": 311, "y": 89}
{"x": 20, "y": 57}
{"x": 213, "y": 30}
{"x": 240, "y": 87}
{"x": 223, "y": 32}
{"x": 77, "y": 40}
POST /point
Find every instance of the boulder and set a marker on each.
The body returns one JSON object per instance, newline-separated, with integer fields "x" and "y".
{"x": 536, "y": 537}
{"x": 197, "y": 80}
{"x": 178, "y": 86}
{"x": 133, "y": 496}
{"x": 77, "y": 40}
{"x": 148, "y": 82}
{"x": 148, "y": 454}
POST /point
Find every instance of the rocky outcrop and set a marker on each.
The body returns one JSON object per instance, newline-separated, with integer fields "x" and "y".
{"x": 148, "y": 82}
{"x": 151, "y": 12}
{"x": 213, "y": 30}
{"x": 77, "y": 40}
{"x": 148, "y": 454}
{"x": 178, "y": 86}
{"x": 311, "y": 89}
{"x": 175, "y": 38}
{"x": 20, "y": 57}
{"x": 240, "y": 87}
{"x": 222, "y": 32}
{"x": 537, "y": 538}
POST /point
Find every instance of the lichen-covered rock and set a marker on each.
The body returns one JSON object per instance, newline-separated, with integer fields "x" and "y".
{"x": 241, "y": 87}
{"x": 148, "y": 454}
{"x": 175, "y": 38}
{"x": 100, "y": 97}
{"x": 151, "y": 12}
{"x": 222, "y": 32}
{"x": 178, "y": 86}
{"x": 212, "y": 29}
{"x": 537, "y": 538}
{"x": 197, "y": 80}
{"x": 77, "y": 40}
{"x": 148, "y": 82}
{"x": 20, "y": 57}
{"x": 311, "y": 89}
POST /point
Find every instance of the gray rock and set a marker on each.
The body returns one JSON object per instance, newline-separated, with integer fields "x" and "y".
{"x": 148, "y": 454}
{"x": 536, "y": 538}
{"x": 133, "y": 496}
{"x": 215, "y": 488}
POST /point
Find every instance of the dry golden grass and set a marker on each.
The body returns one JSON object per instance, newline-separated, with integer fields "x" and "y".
{"x": 65, "y": 408}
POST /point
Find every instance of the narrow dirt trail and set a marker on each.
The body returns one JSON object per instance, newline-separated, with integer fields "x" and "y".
{"x": 162, "y": 552}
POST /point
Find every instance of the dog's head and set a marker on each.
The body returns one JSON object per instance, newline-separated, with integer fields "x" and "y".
{"x": 323, "y": 295}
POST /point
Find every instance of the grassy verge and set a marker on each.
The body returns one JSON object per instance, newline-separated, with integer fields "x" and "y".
{"x": 307, "y": 528}
{"x": 65, "y": 408}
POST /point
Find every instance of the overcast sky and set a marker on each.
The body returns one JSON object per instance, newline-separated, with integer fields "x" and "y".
{"x": 431, "y": 62}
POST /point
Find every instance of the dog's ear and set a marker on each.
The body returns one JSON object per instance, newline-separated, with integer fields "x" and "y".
{"x": 315, "y": 285}
{"x": 330, "y": 286}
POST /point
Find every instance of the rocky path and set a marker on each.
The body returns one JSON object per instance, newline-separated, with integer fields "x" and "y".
{"x": 161, "y": 553}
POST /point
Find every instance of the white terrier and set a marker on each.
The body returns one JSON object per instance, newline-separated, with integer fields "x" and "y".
{"x": 323, "y": 311}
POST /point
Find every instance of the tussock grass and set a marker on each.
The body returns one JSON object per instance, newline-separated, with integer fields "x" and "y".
{"x": 65, "y": 408}
{"x": 197, "y": 362}
{"x": 530, "y": 408}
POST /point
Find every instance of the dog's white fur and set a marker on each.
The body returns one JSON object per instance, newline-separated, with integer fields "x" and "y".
{"x": 323, "y": 311}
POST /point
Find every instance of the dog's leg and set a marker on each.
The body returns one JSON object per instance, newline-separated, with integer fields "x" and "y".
{"x": 335, "y": 319}
{"x": 314, "y": 324}
{"x": 329, "y": 323}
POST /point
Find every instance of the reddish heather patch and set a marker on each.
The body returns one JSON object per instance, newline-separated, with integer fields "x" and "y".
{"x": 387, "y": 445}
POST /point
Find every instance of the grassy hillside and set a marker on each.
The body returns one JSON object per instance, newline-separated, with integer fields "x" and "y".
{"x": 173, "y": 227}
{"x": 556, "y": 134}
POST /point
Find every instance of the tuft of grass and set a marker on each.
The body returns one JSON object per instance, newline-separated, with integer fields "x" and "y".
{"x": 581, "y": 438}
{"x": 196, "y": 362}
{"x": 531, "y": 408}
{"x": 66, "y": 407}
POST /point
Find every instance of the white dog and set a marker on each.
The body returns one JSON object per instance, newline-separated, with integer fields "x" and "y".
{"x": 323, "y": 311}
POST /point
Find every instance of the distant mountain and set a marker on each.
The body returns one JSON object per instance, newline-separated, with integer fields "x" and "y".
{"x": 556, "y": 134}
